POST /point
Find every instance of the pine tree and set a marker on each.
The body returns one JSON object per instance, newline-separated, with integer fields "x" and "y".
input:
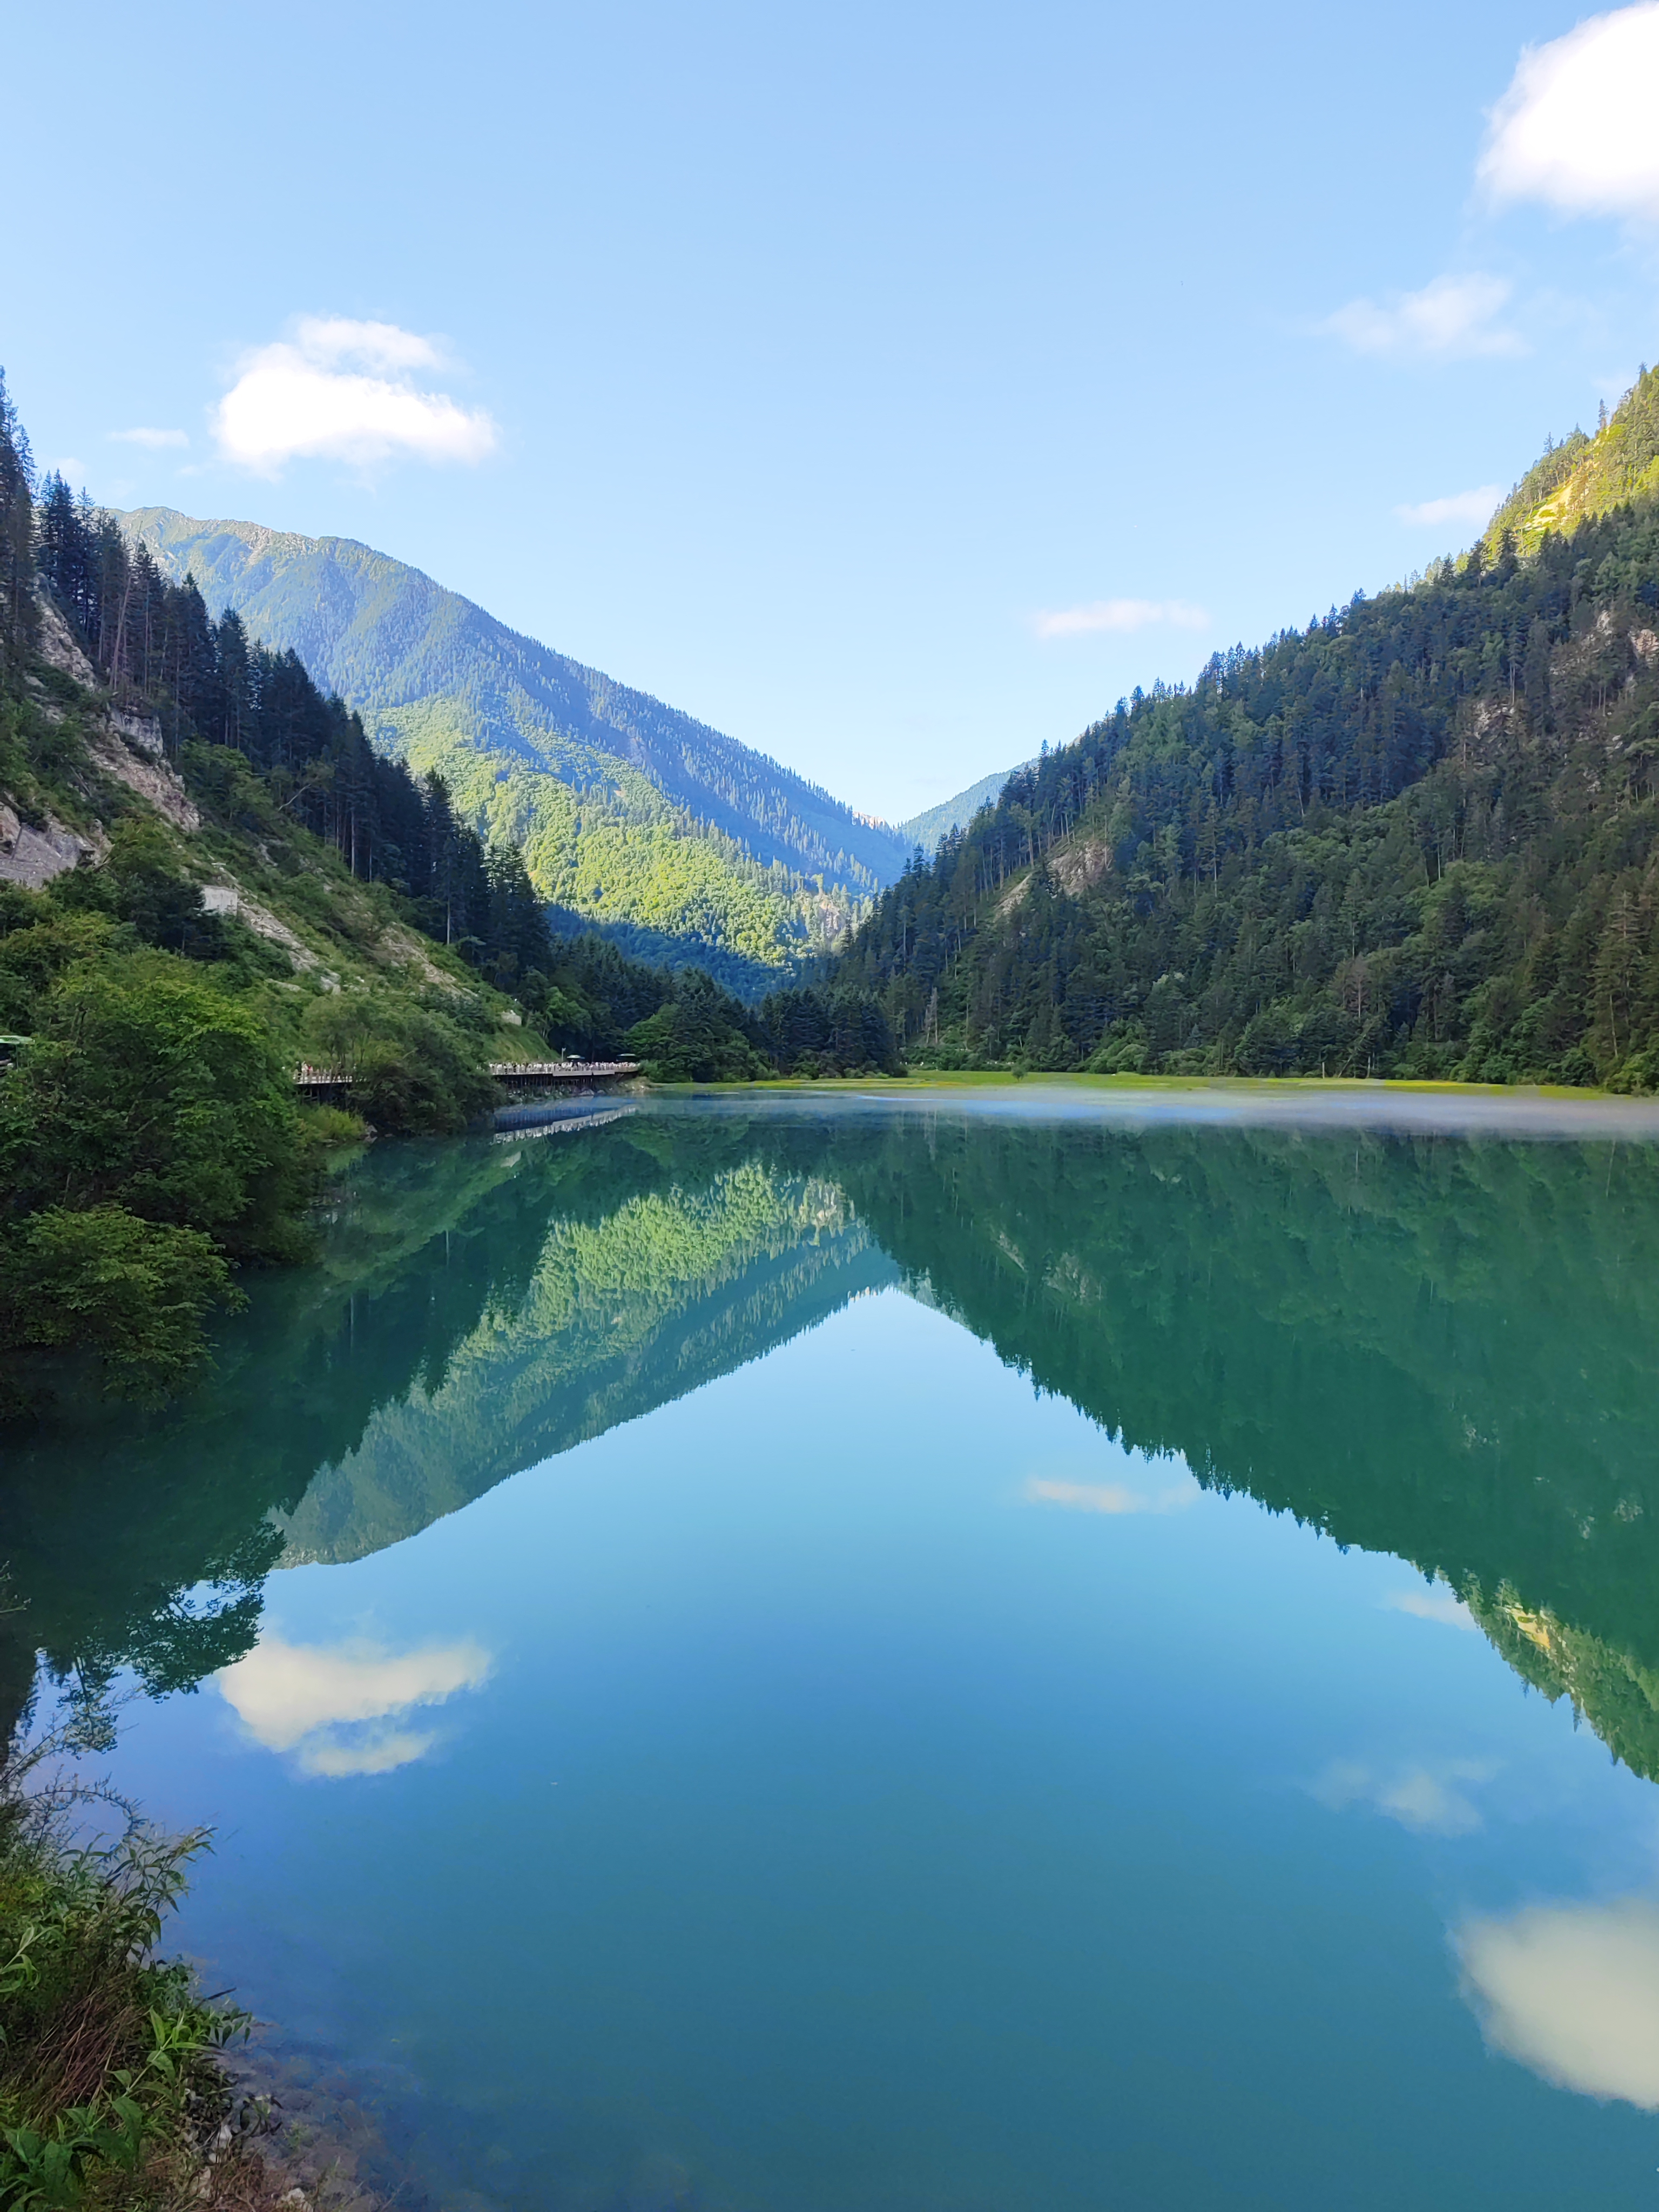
{"x": 17, "y": 612}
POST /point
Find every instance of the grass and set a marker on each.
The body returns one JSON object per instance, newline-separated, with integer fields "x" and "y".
{"x": 990, "y": 1078}
{"x": 113, "y": 2092}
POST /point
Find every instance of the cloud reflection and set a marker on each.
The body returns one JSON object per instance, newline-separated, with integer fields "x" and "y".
{"x": 1425, "y": 1799}
{"x": 1435, "y": 1603}
{"x": 1111, "y": 1497}
{"x": 334, "y": 1705}
{"x": 1571, "y": 1991}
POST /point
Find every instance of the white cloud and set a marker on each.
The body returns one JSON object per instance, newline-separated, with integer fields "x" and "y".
{"x": 1120, "y": 615}
{"x": 1424, "y": 1799}
{"x": 1437, "y": 1603}
{"x": 155, "y": 440}
{"x": 1110, "y": 1497}
{"x": 371, "y": 345}
{"x": 1573, "y": 1992}
{"x": 344, "y": 391}
{"x": 1453, "y": 318}
{"x": 1576, "y": 128}
{"x": 309, "y": 1698}
{"x": 1474, "y": 508}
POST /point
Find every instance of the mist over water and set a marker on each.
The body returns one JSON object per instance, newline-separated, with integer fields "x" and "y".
{"x": 1030, "y": 1648}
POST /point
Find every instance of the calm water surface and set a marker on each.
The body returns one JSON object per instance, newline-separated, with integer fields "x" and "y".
{"x": 861, "y": 1658}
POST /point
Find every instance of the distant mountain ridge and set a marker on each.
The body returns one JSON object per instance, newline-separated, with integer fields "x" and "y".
{"x": 933, "y": 823}
{"x": 630, "y": 814}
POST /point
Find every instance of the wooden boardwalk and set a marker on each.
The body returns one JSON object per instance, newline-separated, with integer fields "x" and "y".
{"x": 510, "y": 1074}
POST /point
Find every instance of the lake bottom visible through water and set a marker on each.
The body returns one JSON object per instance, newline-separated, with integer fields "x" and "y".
{"x": 809, "y": 1659}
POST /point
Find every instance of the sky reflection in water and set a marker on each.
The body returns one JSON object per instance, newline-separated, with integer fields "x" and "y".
{"x": 720, "y": 1735}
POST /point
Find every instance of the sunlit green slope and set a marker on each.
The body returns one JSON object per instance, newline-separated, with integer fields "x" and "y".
{"x": 629, "y": 813}
{"x": 1583, "y": 477}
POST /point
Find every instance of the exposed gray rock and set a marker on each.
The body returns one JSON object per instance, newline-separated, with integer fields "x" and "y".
{"x": 57, "y": 646}
{"x": 142, "y": 732}
{"x": 32, "y": 857}
{"x": 152, "y": 779}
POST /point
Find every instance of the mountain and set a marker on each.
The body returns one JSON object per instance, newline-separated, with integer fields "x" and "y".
{"x": 637, "y": 818}
{"x": 1420, "y": 838}
{"x": 933, "y": 823}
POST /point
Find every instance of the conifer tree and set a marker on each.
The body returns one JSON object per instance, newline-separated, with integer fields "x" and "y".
{"x": 17, "y": 613}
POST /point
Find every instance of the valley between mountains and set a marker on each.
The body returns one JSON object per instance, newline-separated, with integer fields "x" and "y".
{"x": 633, "y": 817}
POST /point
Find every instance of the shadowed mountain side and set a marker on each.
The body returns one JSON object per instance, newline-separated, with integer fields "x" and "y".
{"x": 1445, "y": 1350}
{"x": 668, "y": 1293}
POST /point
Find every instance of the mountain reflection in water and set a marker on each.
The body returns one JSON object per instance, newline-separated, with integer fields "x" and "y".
{"x": 1440, "y": 1348}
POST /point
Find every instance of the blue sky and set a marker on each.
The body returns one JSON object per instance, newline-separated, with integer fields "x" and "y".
{"x": 891, "y": 387}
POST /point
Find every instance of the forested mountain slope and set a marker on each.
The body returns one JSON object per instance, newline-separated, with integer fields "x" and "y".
{"x": 628, "y": 813}
{"x": 1583, "y": 477}
{"x": 1417, "y": 838}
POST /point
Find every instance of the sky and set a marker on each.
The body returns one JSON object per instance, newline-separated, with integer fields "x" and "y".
{"x": 894, "y": 387}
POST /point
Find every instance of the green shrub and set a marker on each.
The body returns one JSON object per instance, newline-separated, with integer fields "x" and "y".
{"x": 685, "y": 1042}
{"x": 412, "y": 1070}
{"x": 134, "y": 1292}
{"x": 146, "y": 1088}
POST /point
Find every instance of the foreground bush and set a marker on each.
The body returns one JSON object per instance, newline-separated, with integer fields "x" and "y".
{"x": 145, "y": 1087}
{"x": 111, "y": 2092}
{"x": 134, "y": 1292}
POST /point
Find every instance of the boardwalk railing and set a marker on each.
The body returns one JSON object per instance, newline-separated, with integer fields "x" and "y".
{"x": 534, "y": 1074}
{"x": 561, "y": 1071}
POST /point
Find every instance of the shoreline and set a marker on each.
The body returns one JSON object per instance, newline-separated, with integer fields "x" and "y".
{"x": 1400, "y": 1107}
{"x": 930, "y": 1078}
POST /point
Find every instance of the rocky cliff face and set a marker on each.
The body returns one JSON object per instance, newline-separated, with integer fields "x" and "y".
{"x": 123, "y": 744}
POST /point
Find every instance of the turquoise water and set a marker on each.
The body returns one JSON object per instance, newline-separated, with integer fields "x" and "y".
{"x": 810, "y": 1658}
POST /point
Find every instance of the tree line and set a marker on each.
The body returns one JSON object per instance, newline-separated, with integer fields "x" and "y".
{"x": 217, "y": 692}
{"x": 154, "y": 644}
{"x": 1418, "y": 837}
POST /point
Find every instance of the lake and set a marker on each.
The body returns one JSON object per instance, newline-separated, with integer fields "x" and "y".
{"x": 998, "y": 1651}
